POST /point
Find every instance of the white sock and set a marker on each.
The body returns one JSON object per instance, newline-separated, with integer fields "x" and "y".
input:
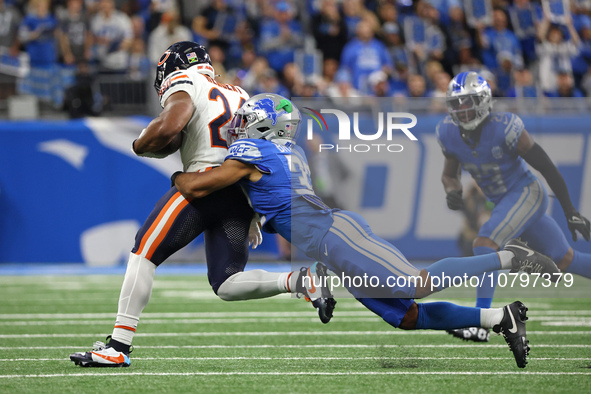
{"x": 490, "y": 317}
{"x": 506, "y": 258}
{"x": 254, "y": 284}
{"x": 135, "y": 294}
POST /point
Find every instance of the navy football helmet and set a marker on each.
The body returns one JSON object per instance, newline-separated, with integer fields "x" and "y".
{"x": 183, "y": 54}
{"x": 469, "y": 100}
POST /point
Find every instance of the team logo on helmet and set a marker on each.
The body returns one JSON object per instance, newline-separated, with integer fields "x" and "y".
{"x": 163, "y": 58}
{"x": 267, "y": 105}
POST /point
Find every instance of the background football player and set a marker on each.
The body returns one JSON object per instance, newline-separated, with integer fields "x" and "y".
{"x": 494, "y": 148}
{"x": 195, "y": 117}
{"x": 275, "y": 173}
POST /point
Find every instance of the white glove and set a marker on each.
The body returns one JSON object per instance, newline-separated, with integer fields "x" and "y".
{"x": 255, "y": 237}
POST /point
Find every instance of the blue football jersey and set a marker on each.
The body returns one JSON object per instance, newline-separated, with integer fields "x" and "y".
{"x": 284, "y": 194}
{"x": 493, "y": 163}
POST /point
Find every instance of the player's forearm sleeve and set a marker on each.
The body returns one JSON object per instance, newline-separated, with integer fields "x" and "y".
{"x": 538, "y": 159}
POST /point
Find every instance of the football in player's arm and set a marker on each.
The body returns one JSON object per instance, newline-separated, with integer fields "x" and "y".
{"x": 163, "y": 136}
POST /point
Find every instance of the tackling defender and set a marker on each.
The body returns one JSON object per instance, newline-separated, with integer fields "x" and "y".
{"x": 195, "y": 117}
{"x": 273, "y": 170}
{"x": 494, "y": 148}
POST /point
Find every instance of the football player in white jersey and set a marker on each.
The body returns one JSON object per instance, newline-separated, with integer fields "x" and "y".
{"x": 196, "y": 114}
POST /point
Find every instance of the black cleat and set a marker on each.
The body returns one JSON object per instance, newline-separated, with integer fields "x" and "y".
{"x": 475, "y": 334}
{"x": 529, "y": 261}
{"x": 315, "y": 289}
{"x": 513, "y": 329}
{"x": 101, "y": 355}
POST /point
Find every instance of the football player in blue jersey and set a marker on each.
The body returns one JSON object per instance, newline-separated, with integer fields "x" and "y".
{"x": 495, "y": 148}
{"x": 273, "y": 170}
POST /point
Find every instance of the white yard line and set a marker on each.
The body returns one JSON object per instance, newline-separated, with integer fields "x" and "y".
{"x": 317, "y": 358}
{"x": 366, "y": 318}
{"x": 310, "y": 318}
{"x": 545, "y": 315}
{"x": 269, "y": 333}
{"x": 172, "y": 315}
{"x": 339, "y": 346}
{"x": 328, "y": 373}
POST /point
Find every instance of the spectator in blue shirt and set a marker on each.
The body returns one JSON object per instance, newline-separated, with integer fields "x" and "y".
{"x": 496, "y": 39}
{"x": 280, "y": 36}
{"x": 353, "y": 11}
{"x": 458, "y": 36}
{"x": 443, "y": 7}
{"x": 579, "y": 15}
{"x": 37, "y": 32}
{"x": 217, "y": 23}
{"x": 524, "y": 85}
{"x": 582, "y": 61}
{"x": 565, "y": 87}
{"x": 364, "y": 55}
{"x": 423, "y": 36}
{"x": 504, "y": 73}
{"x": 524, "y": 17}
{"x": 269, "y": 83}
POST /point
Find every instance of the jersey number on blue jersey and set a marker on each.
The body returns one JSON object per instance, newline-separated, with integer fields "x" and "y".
{"x": 492, "y": 170}
{"x": 301, "y": 172}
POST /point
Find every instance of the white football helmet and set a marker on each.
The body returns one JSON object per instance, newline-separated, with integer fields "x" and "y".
{"x": 267, "y": 116}
{"x": 469, "y": 100}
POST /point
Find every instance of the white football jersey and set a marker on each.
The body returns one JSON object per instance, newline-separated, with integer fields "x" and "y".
{"x": 204, "y": 143}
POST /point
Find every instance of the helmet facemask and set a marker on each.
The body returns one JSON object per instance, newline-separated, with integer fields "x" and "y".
{"x": 468, "y": 111}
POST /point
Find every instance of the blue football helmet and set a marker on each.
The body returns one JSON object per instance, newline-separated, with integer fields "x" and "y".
{"x": 182, "y": 55}
{"x": 469, "y": 100}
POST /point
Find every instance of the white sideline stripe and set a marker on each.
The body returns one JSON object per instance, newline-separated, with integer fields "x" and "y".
{"x": 317, "y": 358}
{"x": 271, "y": 333}
{"x": 341, "y": 346}
{"x": 330, "y": 373}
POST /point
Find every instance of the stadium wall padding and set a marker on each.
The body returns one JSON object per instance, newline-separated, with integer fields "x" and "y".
{"x": 72, "y": 191}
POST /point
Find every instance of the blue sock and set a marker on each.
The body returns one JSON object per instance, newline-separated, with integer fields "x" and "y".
{"x": 446, "y": 316}
{"x": 581, "y": 264}
{"x": 486, "y": 291}
{"x": 459, "y": 266}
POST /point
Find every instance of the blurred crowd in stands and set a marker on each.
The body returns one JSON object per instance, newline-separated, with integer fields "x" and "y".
{"x": 336, "y": 48}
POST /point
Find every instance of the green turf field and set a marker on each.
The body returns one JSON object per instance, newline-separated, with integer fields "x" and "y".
{"x": 190, "y": 341}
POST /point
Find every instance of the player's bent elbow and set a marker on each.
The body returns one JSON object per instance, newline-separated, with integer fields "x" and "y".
{"x": 197, "y": 193}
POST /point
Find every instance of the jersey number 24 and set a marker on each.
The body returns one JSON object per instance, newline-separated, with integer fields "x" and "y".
{"x": 215, "y": 125}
